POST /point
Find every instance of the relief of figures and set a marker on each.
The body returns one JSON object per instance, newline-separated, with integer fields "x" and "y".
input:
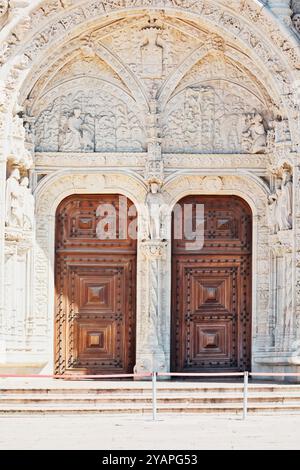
{"x": 88, "y": 122}
{"x": 76, "y": 133}
{"x": 255, "y": 136}
{"x": 206, "y": 119}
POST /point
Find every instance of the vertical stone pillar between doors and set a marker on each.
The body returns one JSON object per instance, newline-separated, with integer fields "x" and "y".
{"x": 153, "y": 319}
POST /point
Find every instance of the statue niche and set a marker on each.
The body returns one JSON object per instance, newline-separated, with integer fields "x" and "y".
{"x": 214, "y": 119}
{"x": 88, "y": 121}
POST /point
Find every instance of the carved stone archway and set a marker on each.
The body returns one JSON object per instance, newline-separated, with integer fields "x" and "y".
{"x": 252, "y": 47}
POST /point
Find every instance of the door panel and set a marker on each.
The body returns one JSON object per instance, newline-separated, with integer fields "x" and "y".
{"x": 211, "y": 291}
{"x": 95, "y": 286}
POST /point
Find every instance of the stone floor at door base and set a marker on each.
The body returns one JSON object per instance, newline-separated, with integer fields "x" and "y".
{"x": 170, "y": 432}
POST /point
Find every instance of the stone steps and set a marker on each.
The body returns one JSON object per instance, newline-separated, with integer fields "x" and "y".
{"x": 117, "y": 389}
{"x": 130, "y": 398}
{"x": 147, "y": 398}
{"x": 104, "y": 409}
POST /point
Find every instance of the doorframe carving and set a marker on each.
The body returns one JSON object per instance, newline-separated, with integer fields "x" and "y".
{"x": 54, "y": 188}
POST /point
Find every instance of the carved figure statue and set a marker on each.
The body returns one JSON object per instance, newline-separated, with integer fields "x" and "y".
{"x": 154, "y": 202}
{"x": 255, "y": 136}
{"x": 272, "y": 213}
{"x": 76, "y": 133}
{"x": 285, "y": 202}
{"x": 14, "y": 213}
{"x": 27, "y": 201}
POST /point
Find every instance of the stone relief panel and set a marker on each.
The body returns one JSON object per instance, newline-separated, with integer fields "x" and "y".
{"x": 88, "y": 118}
{"x": 216, "y": 109}
{"x": 152, "y": 47}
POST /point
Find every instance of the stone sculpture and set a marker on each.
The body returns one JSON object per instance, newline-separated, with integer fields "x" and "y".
{"x": 27, "y": 204}
{"x": 285, "y": 202}
{"x": 280, "y": 204}
{"x": 76, "y": 134}
{"x": 255, "y": 136}
{"x": 154, "y": 202}
{"x": 14, "y": 214}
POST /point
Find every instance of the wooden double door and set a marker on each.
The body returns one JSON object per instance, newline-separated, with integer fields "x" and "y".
{"x": 95, "y": 287}
{"x": 211, "y": 289}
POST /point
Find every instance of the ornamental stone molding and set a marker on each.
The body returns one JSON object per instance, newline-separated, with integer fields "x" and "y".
{"x": 55, "y": 187}
{"x": 229, "y": 20}
{"x": 107, "y": 96}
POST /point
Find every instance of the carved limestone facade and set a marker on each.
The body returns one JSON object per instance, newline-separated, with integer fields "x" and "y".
{"x": 155, "y": 100}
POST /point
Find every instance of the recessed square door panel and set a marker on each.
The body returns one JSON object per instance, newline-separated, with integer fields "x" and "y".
{"x": 211, "y": 340}
{"x": 96, "y": 341}
{"x": 96, "y": 292}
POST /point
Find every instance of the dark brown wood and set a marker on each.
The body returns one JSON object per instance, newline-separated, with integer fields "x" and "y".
{"x": 211, "y": 290}
{"x": 95, "y": 291}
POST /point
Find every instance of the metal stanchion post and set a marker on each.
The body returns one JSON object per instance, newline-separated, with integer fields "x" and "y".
{"x": 154, "y": 396}
{"x": 245, "y": 400}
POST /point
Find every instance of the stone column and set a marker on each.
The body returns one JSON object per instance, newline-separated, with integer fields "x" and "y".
{"x": 153, "y": 321}
{"x": 282, "y": 9}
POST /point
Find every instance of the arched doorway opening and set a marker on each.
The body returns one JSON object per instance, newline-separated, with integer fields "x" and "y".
{"x": 95, "y": 284}
{"x": 212, "y": 289}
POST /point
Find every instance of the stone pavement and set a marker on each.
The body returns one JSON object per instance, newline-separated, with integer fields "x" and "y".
{"x": 130, "y": 432}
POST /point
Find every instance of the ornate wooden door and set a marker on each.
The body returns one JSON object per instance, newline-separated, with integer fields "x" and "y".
{"x": 95, "y": 290}
{"x": 211, "y": 290}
